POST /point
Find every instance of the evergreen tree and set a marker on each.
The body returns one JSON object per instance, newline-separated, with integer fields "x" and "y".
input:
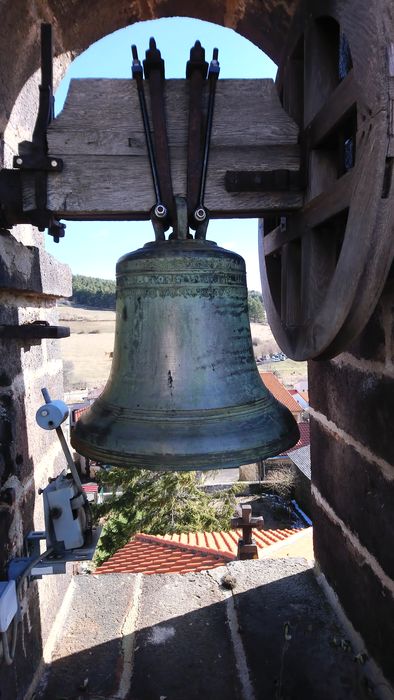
{"x": 256, "y": 308}
{"x": 94, "y": 291}
{"x": 158, "y": 503}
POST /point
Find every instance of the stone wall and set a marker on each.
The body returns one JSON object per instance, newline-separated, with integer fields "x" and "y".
{"x": 352, "y": 445}
{"x": 30, "y": 282}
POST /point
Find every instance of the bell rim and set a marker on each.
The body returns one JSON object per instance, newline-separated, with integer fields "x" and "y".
{"x": 206, "y": 461}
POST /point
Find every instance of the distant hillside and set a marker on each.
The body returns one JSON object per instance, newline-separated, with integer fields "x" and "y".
{"x": 93, "y": 291}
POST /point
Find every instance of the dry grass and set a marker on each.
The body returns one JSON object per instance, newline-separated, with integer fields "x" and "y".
{"x": 264, "y": 342}
{"x": 87, "y": 352}
{"x": 288, "y": 371}
{"x": 282, "y": 481}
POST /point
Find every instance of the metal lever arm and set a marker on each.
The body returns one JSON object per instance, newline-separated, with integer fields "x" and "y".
{"x": 65, "y": 447}
{"x": 154, "y": 73}
{"x": 196, "y": 73}
{"x": 200, "y": 213}
{"x": 159, "y": 212}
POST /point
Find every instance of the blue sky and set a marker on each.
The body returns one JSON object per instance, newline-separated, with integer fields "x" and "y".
{"x": 92, "y": 248}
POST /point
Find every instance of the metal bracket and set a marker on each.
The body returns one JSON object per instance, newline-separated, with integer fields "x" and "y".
{"x": 263, "y": 181}
{"x": 33, "y": 156}
{"x": 180, "y": 226}
{"x": 31, "y": 160}
{"x": 33, "y": 331}
{"x": 54, "y": 563}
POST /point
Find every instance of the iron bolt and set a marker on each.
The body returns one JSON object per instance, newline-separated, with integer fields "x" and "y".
{"x": 19, "y": 161}
{"x": 160, "y": 211}
{"x": 55, "y": 513}
{"x": 54, "y": 163}
{"x": 200, "y": 214}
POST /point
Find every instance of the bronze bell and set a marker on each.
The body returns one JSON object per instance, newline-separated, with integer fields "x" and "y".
{"x": 184, "y": 391}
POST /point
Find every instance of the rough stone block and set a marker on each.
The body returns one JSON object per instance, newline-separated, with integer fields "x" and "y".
{"x": 367, "y": 604}
{"x": 357, "y": 491}
{"x": 6, "y": 515}
{"x": 31, "y": 270}
{"x": 360, "y": 403}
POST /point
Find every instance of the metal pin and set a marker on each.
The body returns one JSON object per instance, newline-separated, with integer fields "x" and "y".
{"x": 200, "y": 214}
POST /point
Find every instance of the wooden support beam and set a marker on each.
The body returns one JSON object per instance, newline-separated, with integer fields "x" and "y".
{"x": 317, "y": 211}
{"x": 99, "y": 135}
{"x": 274, "y": 240}
{"x": 341, "y": 101}
{"x": 328, "y": 204}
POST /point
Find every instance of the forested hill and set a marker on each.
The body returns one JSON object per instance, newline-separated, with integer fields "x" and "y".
{"x": 93, "y": 291}
{"x": 100, "y": 293}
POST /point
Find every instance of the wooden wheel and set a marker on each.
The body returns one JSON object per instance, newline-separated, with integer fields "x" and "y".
{"x": 323, "y": 268}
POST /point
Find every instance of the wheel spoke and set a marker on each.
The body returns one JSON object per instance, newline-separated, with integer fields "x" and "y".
{"x": 291, "y": 284}
{"x": 328, "y": 204}
{"x": 337, "y": 107}
{"x": 277, "y": 238}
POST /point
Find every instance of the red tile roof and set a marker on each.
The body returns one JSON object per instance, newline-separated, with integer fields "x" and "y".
{"x": 279, "y": 391}
{"x": 90, "y": 488}
{"x": 305, "y": 437}
{"x": 195, "y": 551}
{"x": 77, "y": 412}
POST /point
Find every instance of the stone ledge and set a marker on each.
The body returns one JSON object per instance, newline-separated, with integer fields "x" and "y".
{"x": 186, "y": 636}
{"x": 31, "y": 270}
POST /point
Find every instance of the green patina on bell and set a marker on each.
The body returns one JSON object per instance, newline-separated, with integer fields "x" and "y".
{"x": 184, "y": 391}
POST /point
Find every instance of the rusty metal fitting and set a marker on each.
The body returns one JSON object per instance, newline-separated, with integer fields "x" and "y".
{"x": 160, "y": 211}
{"x": 200, "y": 214}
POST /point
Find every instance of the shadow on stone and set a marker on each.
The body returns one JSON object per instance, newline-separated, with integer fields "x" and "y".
{"x": 186, "y": 626}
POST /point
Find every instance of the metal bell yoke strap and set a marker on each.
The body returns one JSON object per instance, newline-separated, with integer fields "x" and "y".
{"x": 200, "y": 213}
{"x": 165, "y": 211}
{"x": 196, "y": 73}
{"x": 33, "y": 155}
{"x": 154, "y": 73}
{"x": 159, "y": 214}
